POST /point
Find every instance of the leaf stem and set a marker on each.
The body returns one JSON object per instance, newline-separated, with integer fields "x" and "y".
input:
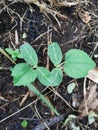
{"x": 60, "y": 65}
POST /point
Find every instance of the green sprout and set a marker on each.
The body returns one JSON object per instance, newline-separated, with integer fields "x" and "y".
{"x": 14, "y": 53}
{"x": 24, "y": 123}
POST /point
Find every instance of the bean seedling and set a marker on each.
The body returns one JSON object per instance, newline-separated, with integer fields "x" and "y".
{"x": 77, "y": 63}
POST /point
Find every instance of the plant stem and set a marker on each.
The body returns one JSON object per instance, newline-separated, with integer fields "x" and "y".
{"x": 37, "y": 92}
{"x": 60, "y": 65}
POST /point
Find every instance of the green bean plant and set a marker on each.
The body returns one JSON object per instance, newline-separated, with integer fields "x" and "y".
{"x": 76, "y": 64}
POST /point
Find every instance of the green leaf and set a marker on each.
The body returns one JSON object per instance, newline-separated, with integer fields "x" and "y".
{"x": 69, "y": 119}
{"x": 10, "y": 51}
{"x": 77, "y": 63}
{"x": 48, "y": 78}
{"x": 36, "y": 91}
{"x": 71, "y": 87}
{"x": 44, "y": 76}
{"x": 14, "y": 53}
{"x": 54, "y": 53}
{"x": 19, "y": 56}
{"x": 29, "y": 54}
{"x": 23, "y": 74}
{"x": 24, "y": 35}
{"x": 57, "y": 76}
{"x": 73, "y": 126}
{"x": 1, "y": 68}
{"x": 96, "y": 56}
{"x": 91, "y": 117}
{"x": 24, "y": 123}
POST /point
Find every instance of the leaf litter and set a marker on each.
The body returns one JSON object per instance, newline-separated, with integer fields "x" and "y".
{"x": 91, "y": 100}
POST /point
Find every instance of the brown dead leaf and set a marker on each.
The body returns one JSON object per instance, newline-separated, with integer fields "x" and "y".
{"x": 93, "y": 75}
{"x": 91, "y": 100}
{"x": 84, "y": 16}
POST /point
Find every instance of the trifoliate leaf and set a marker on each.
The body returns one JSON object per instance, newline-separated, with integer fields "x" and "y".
{"x": 14, "y": 53}
{"x": 29, "y": 54}
{"x": 23, "y": 74}
{"x": 78, "y": 63}
{"x": 54, "y": 53}
{"x": 9, "y": 50}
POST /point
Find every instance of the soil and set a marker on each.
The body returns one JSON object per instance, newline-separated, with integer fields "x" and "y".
{"x": 39, "y": 28}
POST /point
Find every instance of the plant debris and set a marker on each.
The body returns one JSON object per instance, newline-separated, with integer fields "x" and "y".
{"x": 91, "y": 100}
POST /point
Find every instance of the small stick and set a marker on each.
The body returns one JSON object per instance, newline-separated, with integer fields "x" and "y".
{"x": 5, "y": 54}
{"x": 24, "y": 98}
{"x": 49, "y": 122}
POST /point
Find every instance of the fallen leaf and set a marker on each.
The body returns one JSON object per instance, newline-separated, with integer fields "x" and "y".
{"x": 91, "y": 100}
{"x": 93, "y": 75}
